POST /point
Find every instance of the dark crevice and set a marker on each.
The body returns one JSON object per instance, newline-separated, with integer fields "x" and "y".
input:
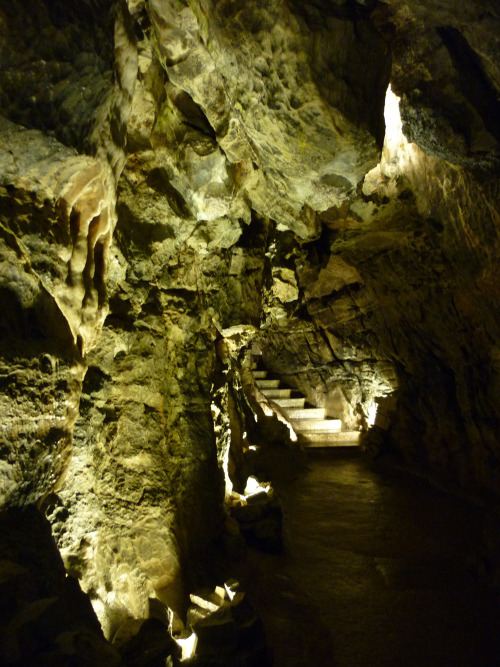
{"x": 158, "y": 180}
{"x": 473, "y": 80}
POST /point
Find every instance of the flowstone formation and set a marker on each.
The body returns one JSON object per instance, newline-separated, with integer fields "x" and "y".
{"x": 188, "y": 264}
{"x": 180, "y": 180}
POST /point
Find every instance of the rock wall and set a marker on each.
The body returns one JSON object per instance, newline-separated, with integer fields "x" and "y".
{"x": 407, "y": 302}
{"x": 397, "y": 292}
{"x": 58, "y": 215}
{"x": 173, "y": 172}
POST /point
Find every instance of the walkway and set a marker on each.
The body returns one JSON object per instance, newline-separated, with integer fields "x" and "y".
{"x": 312, "y": 425}
{"x": 380, "y": 570}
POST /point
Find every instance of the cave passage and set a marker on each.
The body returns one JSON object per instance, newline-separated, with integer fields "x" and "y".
{"x": 380, "y": 569}
{"x": 185, "y": 184}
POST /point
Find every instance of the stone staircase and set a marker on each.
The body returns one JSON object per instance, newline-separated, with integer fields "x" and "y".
{"x": 311, "y": 424}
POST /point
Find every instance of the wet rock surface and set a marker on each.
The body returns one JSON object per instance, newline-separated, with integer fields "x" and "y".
{"x": 379, "y": 568}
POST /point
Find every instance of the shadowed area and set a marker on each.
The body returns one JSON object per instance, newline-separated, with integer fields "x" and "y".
{"x": 380, "y": 569}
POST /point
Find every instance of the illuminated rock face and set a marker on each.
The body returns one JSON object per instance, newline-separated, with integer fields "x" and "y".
{"x": 169, "y": 170}
{"x": 57, "y": 215}
{"x": 448, "y": 78}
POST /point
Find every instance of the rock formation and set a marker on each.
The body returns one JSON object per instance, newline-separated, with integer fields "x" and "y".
{"x": 180, "y": 179}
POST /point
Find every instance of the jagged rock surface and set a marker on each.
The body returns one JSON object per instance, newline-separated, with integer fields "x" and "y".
{"x": 45, "y": 617}
{"x": 170, "y": 170}
{"x": 448, "y": 76}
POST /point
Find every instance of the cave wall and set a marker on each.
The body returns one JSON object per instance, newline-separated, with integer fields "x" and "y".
{"x": 397, "y": 294}
{"x": 58, "y": 215}
{"x": 414, "y": 313}
{"x": 172, "y": 170}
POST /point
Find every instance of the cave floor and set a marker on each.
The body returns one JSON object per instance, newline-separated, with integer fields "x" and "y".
{"x": 380, "y": 569}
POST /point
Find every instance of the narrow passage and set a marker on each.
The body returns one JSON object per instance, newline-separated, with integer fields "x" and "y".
{"x": 381, "y": 569}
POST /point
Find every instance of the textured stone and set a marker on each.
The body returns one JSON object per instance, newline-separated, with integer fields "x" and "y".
{"x": 52, "y": 286}
{"x": 270, "y": 81}
{"x": 178, "y": 178}
{"x": 448, "y": 76}
{"x": 45, "y": 617}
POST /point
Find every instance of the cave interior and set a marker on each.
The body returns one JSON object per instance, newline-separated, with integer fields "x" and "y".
{"x": 231, "y": 233}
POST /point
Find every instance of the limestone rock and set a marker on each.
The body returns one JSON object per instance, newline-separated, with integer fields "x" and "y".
{"x": 179, "y": 177}
{"x": 52, "y": 285}
{"x": 228, "y": 630}
{"x": 268, "y": 60}
{"x": 448, "y": 78}
{"x": 45, "y": 617}
{"x": 259, "y": 516}
{"x": 150, "y": 645}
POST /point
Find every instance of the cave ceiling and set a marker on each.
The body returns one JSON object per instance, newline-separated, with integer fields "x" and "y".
{"x": 173, "y": 172}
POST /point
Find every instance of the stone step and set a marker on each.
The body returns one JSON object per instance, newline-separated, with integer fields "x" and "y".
{"x": 305, "y": 413}
{"x": 277, "y": 393}
{"x": 267, "y": 384}
{"x": 330, "y": 439}
{"x": 324, "y": 425}
{"x": 260, "y": 375}
{"x": 290, "y": 402}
